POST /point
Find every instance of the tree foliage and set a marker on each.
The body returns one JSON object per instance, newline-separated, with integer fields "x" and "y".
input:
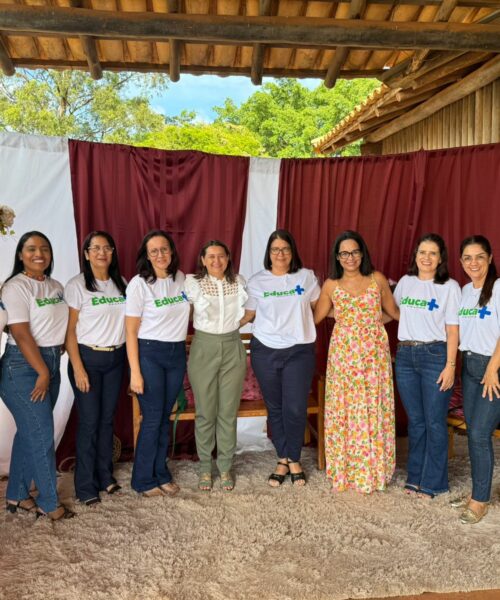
{"x": 72, "y": 104}
{"x": 286, "y": 115}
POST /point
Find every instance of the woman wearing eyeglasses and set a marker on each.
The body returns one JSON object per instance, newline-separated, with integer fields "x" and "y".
{"x": 157, "y": 315}
{"x": 479, "y": 322}
{"x": 281, "y": 298}
{"x": 217, "y": 359}
{"x": 425, "y": 362}
{"x": 95, "y": 342}
{"x": 30, "y": 378}
{"x": 359, "y": 404}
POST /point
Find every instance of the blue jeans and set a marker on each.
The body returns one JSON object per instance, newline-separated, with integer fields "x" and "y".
{"x": 285, "y": 377}
{"x": 96, "y": 411}
{"x": 163, "y": 365}
{"x": 482, "y": 417}
{"x": 33, "y": 454}
{"x": 417, "y": 370}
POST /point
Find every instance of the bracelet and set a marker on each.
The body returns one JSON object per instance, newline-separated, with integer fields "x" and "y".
{"x": 452, "y": 363}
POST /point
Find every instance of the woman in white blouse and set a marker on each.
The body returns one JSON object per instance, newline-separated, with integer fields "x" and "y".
{"x": 217, "y": 359}
{"x": 157, "y": 316}
{"x": 95, "y": 342}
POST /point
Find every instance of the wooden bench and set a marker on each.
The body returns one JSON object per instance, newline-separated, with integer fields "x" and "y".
{"x": 257, "y": 408}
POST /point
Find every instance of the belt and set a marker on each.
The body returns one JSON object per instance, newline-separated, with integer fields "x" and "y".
{"x": 415, "y": 343}
{"x": 103, "y": 348}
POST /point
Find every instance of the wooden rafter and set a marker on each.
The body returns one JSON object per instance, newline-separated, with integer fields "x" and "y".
{"x": 356, "y": 9}
{"x": 259, "y": 50}
{"x": 175, "y": 47}
{"x": 469, "y": 84}
{"x": 89, "y": 48}
{"x": 296, "y": 31}
{"x": 5, "y": 61}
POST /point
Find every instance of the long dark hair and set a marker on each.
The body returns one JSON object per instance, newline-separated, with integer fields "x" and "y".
{"x": 286, "y": 236}
{"x": 202, "y": 270}
{"x": 336, "y": 269}
{"x": 114, "y": 267}
{"x": 491, "y": 275}
{"x": 442, "y": 275}
{"x": 143, "y": 264}
{"x": 18, "y": 263}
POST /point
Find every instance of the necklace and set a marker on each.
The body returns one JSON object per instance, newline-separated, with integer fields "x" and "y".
{"x": 36, "y": 277}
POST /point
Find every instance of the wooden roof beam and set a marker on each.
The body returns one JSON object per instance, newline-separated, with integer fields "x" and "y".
{"x": 296, "y": 31}
{"x": 5, "y": 61}
{"x": 89, "y": 48}
{"x": 175, "y": 47}
{"x": 476, "y": 80}
{"x": 356, "y": 9}
{"x": 259, "y": 50}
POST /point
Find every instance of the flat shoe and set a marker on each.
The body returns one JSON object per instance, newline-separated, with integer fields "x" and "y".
{"x": 26, "y": 505}
{"x": 470, "y": 517}
{"x": 60, "y": 513}
{"x": 153, "y": 493}
{"x": 205, "y": 482}
{"x": 460, "y": 502}
{"x": 226, "y": 481}
{"x": 170, "y": 489}
{"x": 91, "y": 501}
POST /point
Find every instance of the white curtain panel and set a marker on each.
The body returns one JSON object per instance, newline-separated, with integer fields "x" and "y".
{"x": 35, "y": 182}
{"x": 260, "y": 221}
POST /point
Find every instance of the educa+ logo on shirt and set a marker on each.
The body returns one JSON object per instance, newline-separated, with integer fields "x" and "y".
{"x": 108, "y": 300}
{"x": 297, "y": 290}
{"x": 166, "y": 300}
{"x": 48, "y": 301}
{"x": 420, "y": 303}
{"x": 471, "y": 313}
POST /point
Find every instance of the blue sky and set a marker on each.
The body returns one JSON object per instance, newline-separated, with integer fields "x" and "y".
{"x": 201, "y": 93}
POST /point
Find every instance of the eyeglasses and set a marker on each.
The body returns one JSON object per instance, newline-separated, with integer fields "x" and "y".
{"x": 284, "y": 251}
{"x": 155, "y": 252}
{"x": 467, "y": 259}
{"x": 97, "y": 249}
{"x": 344, "y": 255}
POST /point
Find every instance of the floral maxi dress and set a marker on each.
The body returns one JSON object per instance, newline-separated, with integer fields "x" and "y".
{"x": 359, "y": 404}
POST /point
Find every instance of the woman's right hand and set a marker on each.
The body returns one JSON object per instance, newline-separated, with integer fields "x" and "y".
{"x": 82, "y": 380}
{"x": 136, "y": 383}
{"x": 41, "y": 387}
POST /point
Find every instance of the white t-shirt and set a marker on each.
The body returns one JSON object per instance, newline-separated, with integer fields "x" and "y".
{"x": 163, "y": 307}
{"x": 282, "y": 303}
{"x": 426, "y": 308}
{"x": 101, "y": 321}
{"x": 218, "y": 305}
{"x": 479, "y": 326}
{"x": 39, "y": 303}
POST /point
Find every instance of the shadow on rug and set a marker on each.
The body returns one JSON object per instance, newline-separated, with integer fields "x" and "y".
{"x": 252, "y": 543}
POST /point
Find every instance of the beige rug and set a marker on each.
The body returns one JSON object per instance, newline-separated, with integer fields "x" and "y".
{"x": 253, "y": 543}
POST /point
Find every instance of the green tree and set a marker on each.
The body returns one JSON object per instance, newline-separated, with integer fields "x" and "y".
{"x": 215, "y": 138}
{"x": 70, "y": 103}
{"x": 286, "y": 116}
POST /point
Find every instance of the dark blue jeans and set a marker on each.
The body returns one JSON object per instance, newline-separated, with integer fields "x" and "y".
{"x": 96, "y": 411}
{"x": 417, "y": 370}
{"x": 285, "y": 377}
{"x": 163, "y": 365}
{"x": 482, "y": 418}
{"x": 33, "y": 454}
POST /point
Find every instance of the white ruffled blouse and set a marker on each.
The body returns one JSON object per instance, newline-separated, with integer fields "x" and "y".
{"x": 218, "y": 304}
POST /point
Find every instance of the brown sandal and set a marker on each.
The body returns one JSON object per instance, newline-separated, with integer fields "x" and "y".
{"x": 61, "y": 512}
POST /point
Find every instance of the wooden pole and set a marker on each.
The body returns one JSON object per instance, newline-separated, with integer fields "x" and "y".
{"x": 5, "y": 61}
{"x": 174, "y": 45}
{"x": 259, "y": 50}
{"x": 476, "y": 80}
{"x": 244, "y": 30}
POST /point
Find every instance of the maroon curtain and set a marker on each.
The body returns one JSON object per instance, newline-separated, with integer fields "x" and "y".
{"x": 128, "y": 191}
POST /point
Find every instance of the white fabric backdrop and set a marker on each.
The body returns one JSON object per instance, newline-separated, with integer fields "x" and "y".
{"x": 35, "y": 182}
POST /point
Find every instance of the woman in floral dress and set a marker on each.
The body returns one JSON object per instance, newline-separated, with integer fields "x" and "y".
{"x": 359, "y": 406}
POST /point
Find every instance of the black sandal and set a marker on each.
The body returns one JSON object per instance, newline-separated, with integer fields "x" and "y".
{"x": 300, "y": 476}
{"x": 113, "y": 488}
{"x": 277, "y": 476}
{"x": 13, "y": 507}
{"x": 91, "y": 501}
